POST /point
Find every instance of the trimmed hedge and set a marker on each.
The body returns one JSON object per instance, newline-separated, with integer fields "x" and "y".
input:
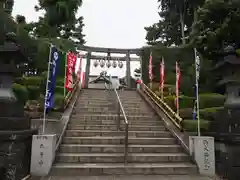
{"x": 170, "y": 100}
{"x": 211, "y": 100}
{"x": 60, "y": 82}
{"x": 192, "y": 125}
{"x": 186, "y": 113}
{"x": 186, "y": 102}
{"x": 59, "y": 90}
{"x": 30, "y": 80}
{"x": 20, "y": 92}
{"x": 207, "y": 113}
{"x": 210, "y": 113}
{"x": 34, "y": 92}
{"x": 58, "y": 102}
{"x": 205, "y": 101}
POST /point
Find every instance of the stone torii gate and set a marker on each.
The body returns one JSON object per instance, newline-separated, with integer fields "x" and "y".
{"x": 127, "y": 58}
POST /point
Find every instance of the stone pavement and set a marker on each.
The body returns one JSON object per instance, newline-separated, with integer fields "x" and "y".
{"x": 141, "y": 177}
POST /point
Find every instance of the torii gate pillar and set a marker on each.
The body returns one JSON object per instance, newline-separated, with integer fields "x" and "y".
{"x": 128, "y": 69}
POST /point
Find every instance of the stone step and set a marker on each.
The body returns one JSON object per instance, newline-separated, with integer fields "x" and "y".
{"x": 110, "y": 97}
{"x": 80, "y": 133}
{"x": 113, "y": 122}
{"x": 119, "y": 157}
{"x": 119, "y": 140}
{"x": 107, "y": 100}
{"x": 88, "y": 116}
{"x": 113, "y": 127}
{"x": 111, "y": 109}
{"x": 81, "y": 169}
{"x": 109, "y": 104}
{"x": 112, "y": 148}
{"x": 115, "y": 113}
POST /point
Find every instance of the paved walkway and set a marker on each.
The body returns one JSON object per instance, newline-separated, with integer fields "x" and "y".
{"x": 175, "y": 177}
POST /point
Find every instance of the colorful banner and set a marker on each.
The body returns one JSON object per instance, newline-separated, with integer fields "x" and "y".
{"x": 150, "y": 68}
{"x": 178, "y": 75}
{"x": 71, "y": 63}
{"x": 197, "y": 66}
{"x": 53, "y": 64}
{"x": 162, "y": 74}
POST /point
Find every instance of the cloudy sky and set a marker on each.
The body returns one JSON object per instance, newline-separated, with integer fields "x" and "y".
{"x": 108, "y": 23}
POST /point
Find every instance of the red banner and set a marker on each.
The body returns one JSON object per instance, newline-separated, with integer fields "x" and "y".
{"x": 150, "y": 74}
{"x": 71, "y": 63}
{"x": 162, "y": 74}
{"x": 178, "y": 75}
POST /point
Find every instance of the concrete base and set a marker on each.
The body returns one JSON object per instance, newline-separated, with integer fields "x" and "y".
{"x": 203, "y": 151}
{"x": 43, "y": 154}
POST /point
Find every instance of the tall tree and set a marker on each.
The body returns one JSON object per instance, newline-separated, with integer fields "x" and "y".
{"x": 60, "y": 19}
{"x": 176, "y": 18}
{"x": 216, "y": 26}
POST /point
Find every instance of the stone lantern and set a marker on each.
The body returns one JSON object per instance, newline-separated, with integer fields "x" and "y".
{"x": 226, "y": 126}
{"x": 15, "y": 130}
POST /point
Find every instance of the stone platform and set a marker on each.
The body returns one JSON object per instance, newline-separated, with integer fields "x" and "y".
{"x": 140, "y": 177}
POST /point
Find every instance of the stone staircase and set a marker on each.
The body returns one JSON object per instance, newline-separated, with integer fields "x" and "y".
{"x": 93, "y": 146}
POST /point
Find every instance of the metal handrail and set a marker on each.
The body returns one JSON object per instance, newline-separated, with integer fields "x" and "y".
{"x": 173, "y": 116}
{"x": 119, "y": 110}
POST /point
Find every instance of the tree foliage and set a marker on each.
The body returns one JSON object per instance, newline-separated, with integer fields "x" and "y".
{"x": 216, "y": 26}
{"x": 58, "y": 26}
{"x": 59, "y": 20}
{"x": 208, "y": 24}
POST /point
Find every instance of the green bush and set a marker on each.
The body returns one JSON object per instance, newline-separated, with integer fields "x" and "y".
{"x": 186, "y": 102}
{"x": 211, "y": 100}
{"x": 59, "y": 90}
{"x": 170, "y": 100}
{"x": 209, "y": 113}
{"x": 192, "y": 125}
{"x": 186, "y": 113}
{"x": 20, "y": 92}
{"x": 60, "y": 82}
{"x": 58, "y": 101}
{"x": 32, "y": 81}
{"x": 34, "y": 92}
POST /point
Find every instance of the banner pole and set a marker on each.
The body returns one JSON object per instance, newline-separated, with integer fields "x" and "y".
{"x": 197, "y": 64}
{"x": 46, "y": 91}
{"x": 65, "y": 71}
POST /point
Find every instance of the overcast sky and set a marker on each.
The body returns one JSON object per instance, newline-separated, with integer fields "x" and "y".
{"x": 108, "y": 23}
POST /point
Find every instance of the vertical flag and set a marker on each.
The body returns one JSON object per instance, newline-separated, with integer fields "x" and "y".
{"x": 65, "y": 74}
{"x": 53, "y": 64}
{"x": 178, "y": 75}
{"x": 54, "y": 59}
{"x": 150, "y": 70}
{"x": 71, "y": 63}
{"x": 195, "y": 110}
{"x": 197, "y": 66}
{"x": 162, "y": 71}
